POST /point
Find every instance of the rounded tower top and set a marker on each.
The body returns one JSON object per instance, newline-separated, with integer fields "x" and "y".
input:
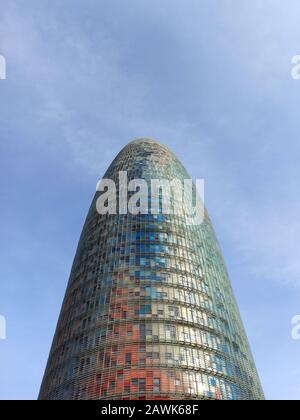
{"x": 156, "y": 146}
{"x": 145, "y": 140}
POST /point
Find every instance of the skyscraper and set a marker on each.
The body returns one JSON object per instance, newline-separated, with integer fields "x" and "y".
{"x": 149, "y": 312}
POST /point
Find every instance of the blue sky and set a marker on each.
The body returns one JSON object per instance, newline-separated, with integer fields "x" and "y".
{"x": 212, "y": 80}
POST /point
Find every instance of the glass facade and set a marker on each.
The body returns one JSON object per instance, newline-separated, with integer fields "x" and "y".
{"x": 149, "y": 312}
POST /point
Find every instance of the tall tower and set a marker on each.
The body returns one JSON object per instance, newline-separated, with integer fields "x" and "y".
{"x": 149, "y": 312}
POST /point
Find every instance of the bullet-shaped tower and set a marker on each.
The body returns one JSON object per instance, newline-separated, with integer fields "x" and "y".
{"x": 149, "y": 312}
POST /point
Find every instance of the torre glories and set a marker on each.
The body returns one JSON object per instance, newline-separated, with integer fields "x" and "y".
{"x": 149, "y": 312}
